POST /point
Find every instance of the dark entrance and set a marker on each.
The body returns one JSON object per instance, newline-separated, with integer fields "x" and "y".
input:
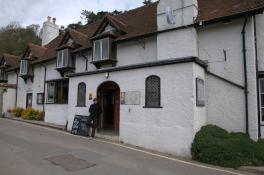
{"x": 109, "y": 98}
{"x": 29, "y": 100}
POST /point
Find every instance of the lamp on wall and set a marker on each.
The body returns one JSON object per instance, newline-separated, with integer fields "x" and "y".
{"x": 107, "y": 75}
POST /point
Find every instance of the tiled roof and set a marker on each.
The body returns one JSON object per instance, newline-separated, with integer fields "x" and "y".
{"x": 37, "y": 51}
{"x": 142, "y": 21}
{"x": 11, "y": 60}
{"x": 216, "y": 9}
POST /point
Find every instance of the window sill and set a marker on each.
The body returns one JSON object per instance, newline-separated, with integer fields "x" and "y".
{"x": 56, "y": 103}
{"x": 155, "y": 107}
{"x": 81, "y": 106}
{"x": 99, "y": 63}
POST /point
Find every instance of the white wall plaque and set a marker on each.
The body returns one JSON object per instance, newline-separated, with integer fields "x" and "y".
{"x": 130, "y": 98}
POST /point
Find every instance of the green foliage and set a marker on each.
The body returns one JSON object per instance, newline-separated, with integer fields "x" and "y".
{"x": 147, "y": 2}
{"x": 214, "y": 145}
{"x": 17, "y": 111}
{"x": 91, "y": 17}
{"x": 14, "y": 39}
{"x": 75, "y": 25}
{"x": 32, "y": 114}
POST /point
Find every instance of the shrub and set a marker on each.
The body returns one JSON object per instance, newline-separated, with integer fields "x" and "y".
{"x": 9, "y": 110}
{"x": 214, "y": 145}
{"x": 17, "y": 111}
{"x": 32, "y": 114}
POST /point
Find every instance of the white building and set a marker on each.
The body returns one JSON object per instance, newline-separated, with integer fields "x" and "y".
{"x": 160, "y": 72}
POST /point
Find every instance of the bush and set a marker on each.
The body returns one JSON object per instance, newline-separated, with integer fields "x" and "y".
{"x": 32, "y": 114}
{"x": 214, "y": 145}
{"x": 17, "y": 111}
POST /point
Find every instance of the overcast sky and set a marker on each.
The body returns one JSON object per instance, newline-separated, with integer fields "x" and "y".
{"x": 28, "y": 12}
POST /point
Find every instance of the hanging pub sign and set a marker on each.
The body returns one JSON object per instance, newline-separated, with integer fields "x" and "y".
{"x": 130, "y": 98}
{"x": 200, "y": 92}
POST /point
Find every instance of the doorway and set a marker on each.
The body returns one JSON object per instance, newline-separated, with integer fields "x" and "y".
{"x": 109, "y": 98}
{"x": 29, "y": 100}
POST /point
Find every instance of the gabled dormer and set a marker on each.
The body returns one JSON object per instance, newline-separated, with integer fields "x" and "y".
{"x": 65, "y": 62}
{"x": 32, "y": 53}
{"x": 104, "y": 50}
{"x": 7, "y": 61}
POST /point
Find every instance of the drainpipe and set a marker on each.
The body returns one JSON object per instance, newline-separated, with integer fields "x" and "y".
{"x": 257, "y": 70}
{"x": 16, "y": 88}
{"x": 44, "y": 85}
{"x": 245, "y": 71}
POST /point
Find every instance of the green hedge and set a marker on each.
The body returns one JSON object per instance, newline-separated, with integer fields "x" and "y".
{"x": 214, "y": 145}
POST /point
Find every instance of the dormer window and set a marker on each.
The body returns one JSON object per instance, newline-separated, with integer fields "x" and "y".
{"x": 101, "y": 49}
{"x": 26, "y": 71}
{"x": 24, "y": 67}
{"x": 65, "y": 62}
{"x": 64, "y": 59}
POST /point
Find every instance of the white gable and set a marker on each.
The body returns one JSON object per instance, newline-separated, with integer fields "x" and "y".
{"x": 108, "y": 28}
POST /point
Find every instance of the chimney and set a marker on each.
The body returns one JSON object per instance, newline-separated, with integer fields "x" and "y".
{"x": 49, "y": 19}
{"x": 54, "y": 20}
{"x": 50, "y": 30}
{"x": 172, "y": 14}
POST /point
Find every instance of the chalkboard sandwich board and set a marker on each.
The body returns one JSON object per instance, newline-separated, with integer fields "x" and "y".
{"x": 79, "y": 126}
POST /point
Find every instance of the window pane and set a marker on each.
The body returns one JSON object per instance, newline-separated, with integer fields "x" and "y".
{"x": 105, "y": 48}
{"x": 153, "y": 92}
{"x": 65, "y": 58}
{"x": 81, "y": 95}
{"x": 51, "y": 92}
{"x": 262, "y": 85}
{"x": 97, "y": 51}
{"x": 262, "y": 100}
{"x": 262, "y": 114}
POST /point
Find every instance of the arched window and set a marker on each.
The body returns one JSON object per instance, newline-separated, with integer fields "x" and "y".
{"x": 152, "y": 92}
{"x": 81, "y": 98}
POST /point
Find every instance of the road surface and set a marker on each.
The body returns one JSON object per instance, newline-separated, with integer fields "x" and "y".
{"x": 33, "y": 150}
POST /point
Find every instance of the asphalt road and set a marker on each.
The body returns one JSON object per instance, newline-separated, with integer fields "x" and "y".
{"x": 24, "y": 150}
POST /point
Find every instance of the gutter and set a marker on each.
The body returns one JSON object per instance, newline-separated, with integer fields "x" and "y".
{"x": 245, "y": 71}
{"x": 257, "y": 76}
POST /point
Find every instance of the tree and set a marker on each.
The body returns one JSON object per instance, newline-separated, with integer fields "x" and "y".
{"x": 35, "y": 28}
{"x": 91, "y": 17}
{"x": 75, "y": 25}
{"x": 14, "y": 38}
{"x": 147, "y": 2}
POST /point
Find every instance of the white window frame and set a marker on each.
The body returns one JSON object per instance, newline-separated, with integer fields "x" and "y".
{"x": 24, "y": 67}
{"x": 63, "y": 58}
{"x": 260, "y": 100}
{"x": 101, "y": 50}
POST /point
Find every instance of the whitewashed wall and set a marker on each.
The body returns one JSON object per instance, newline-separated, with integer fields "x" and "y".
{"x": 159, "y": 129}
{"x": 135, "y": 52}
{"x": 200, "y": 112}
{"x": 9, "y": 97}
{"x": 212, "y": 40}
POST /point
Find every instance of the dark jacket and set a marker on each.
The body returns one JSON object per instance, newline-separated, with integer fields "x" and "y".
{"x": 95, "y": 111}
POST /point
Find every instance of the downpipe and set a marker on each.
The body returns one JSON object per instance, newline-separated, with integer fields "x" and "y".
{"x": 245, "y": 72}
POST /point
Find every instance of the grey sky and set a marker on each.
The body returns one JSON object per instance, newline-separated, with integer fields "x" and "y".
{"x": 28, "y": 12}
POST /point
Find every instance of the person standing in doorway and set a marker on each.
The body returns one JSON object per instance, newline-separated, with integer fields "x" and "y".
{"x": 95, "y": 112}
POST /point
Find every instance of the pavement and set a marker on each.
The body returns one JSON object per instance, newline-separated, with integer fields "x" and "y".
{"x": 27, "y": 149}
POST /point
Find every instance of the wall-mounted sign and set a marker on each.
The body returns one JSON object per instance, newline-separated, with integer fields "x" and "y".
{"x": 90, "y": 95}
{"x": 200, "y": 92}
{"x": 130, "y": 98}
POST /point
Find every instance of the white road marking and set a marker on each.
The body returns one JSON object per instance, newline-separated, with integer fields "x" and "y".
{"x": 135, "y": 149}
